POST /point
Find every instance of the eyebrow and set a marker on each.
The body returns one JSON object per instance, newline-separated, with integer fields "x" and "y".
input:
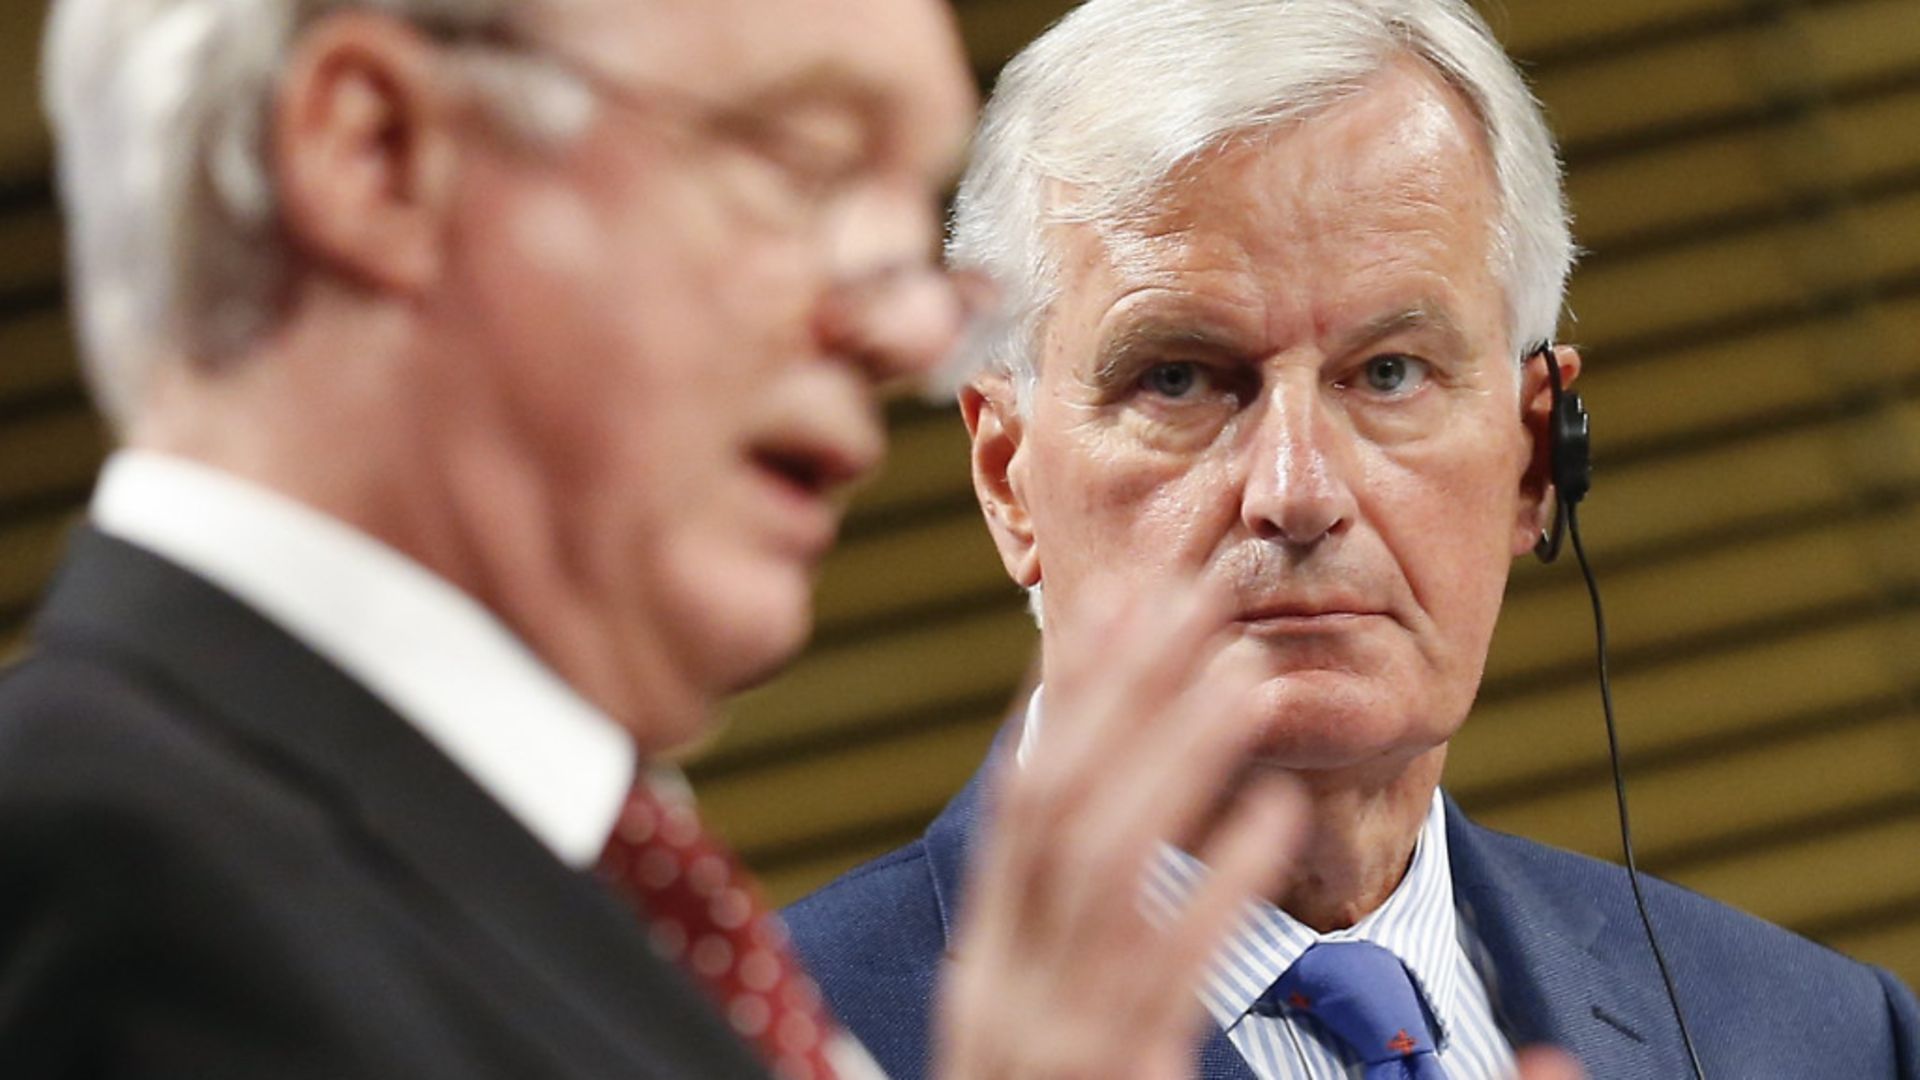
{"x": 829, "y": 83}
{"x": 1123, "y": 352}
{"x": 1424, "y": 315}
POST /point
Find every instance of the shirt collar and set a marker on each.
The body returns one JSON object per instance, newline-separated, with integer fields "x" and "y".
{"x": 429, "y": 651}
{"x": 1417, "y": 923}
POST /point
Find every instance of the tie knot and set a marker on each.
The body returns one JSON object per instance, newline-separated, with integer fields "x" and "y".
{"x": 1361, "y": 993}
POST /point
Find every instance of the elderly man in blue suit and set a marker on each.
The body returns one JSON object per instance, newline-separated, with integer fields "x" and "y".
{"x": 1281, "y": 275}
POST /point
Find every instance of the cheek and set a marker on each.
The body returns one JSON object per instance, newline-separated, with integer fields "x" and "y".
{"x": 1448, "y": 521}
{"x": 1126, "y": 512}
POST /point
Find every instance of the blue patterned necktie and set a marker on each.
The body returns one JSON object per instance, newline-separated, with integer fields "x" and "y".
{"x": 1361, "y": 993}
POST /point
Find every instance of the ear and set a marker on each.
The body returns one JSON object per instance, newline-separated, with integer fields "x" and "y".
{"x": 1534, "y": 505}
{"x": 362, "y": 150}
{"x": 998, "y": 431}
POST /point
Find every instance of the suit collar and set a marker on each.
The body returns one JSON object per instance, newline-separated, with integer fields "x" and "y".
{"x": 430, "y": 651}
{"x": 949, "y": 840}
{"x": 450, "y": 850}
{"x": 1557, "y": 971}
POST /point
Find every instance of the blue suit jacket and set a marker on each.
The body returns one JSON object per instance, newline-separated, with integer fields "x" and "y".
{"x": 1567, "y": 962}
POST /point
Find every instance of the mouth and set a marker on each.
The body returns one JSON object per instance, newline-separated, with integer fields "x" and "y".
{"x": 1306, "y": 618}
{"x": 809, "y": 475}
{"x": 803, "y": 472}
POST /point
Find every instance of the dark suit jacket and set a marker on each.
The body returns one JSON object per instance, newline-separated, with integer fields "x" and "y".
{"x": 220, "y": 857}
{"x": 1568, "y": 962}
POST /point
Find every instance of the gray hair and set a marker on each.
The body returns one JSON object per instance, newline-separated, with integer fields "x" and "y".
{"x": 1115, "y": 97}
{"x": 160, "y": 110}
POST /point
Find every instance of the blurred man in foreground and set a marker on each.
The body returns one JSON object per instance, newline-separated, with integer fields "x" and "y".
{"x": 1283, "y": 276}
{"x": 486, "y": 372}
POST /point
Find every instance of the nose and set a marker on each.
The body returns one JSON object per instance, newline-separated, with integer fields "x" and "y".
{"x": 901, "y": 320}
{"x": 888, "y": 306}
{"x": 1296, "y": 489}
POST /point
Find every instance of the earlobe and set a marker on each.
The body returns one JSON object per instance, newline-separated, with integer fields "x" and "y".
{"x": 361, "y": 150}
{"x": 998, "y": 457}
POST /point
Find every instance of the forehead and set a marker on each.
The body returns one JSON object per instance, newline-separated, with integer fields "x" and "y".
{"x": 903, "y": 54}
{"x": 1385, "y": 200}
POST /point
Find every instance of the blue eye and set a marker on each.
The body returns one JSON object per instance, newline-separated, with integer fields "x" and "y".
{"x": 1394, "y": 374}
{"x": 1172, "y": 380}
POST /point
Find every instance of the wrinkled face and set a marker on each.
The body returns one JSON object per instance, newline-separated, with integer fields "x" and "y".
{"x": 1295, "y": 380}
{"x": 655, "y": 308}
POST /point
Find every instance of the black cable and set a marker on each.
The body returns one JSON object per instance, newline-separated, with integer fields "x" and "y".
{"x": 1620, "y": 787}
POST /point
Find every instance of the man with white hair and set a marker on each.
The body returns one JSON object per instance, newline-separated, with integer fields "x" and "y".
{"x": 1284, "y": 275}
{"x": 486, "y": 371}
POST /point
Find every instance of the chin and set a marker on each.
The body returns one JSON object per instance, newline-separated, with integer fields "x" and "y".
{"x": 1320, "y": 721}
{"x": 754, "y": 628}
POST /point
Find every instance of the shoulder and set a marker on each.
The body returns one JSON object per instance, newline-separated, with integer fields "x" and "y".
{"x": 1739, "y": 974}
{"x": 881, "y": 915}
{"x": 81, "y": 735}
{"x": 874, "y": 940}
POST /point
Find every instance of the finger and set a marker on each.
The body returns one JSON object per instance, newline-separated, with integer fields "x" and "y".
{"x": 1190, "y": 766}
{"x": 1250, "y": 855}
{"x": 1116, "y": 687}
{"x": 1547, "y": 1063}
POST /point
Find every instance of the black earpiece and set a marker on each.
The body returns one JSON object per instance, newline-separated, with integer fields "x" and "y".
{"x": 1569, "y": 455}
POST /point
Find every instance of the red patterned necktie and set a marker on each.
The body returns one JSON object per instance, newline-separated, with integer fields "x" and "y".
{"x": 705, "y": 914}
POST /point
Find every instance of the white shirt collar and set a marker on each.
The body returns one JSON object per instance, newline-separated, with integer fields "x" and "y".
{"x": 429, "y": 651}
{"x": 1417, "y": 923}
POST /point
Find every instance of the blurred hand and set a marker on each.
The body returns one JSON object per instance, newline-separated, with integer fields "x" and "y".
{"x": 1058, "y": 971}
{"x": 1547, "y": 1063}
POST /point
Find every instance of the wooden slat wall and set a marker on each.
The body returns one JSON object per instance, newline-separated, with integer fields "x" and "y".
{"x": 1746, "y": 175}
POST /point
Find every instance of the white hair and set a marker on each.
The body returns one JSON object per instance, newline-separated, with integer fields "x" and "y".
{"x": 159, "y": 108}
{"x": 1112, "y": 100}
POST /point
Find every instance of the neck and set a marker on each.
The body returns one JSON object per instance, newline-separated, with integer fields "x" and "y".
{"x": 1361, "y": 840}
{"x": 427, "y": 473}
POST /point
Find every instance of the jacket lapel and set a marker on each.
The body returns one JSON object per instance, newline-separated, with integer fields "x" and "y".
{"x": 1557, "y": 972}
{"x": 422, "y": 823}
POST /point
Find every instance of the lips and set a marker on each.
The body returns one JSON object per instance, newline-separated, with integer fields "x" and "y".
{"x": 1318, "y": 615}
{"x": 816, "y": 463}
{"x": 804, "y": 466}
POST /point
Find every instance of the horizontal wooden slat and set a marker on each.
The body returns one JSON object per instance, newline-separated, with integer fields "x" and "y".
{"x": 926, "y": 463}
{"x": 1549, "y": 27}
{"x": 788, "y": 880}
{"x": 48, "y": 454}
{"x": 1744, "y": 172}
{"x": 915, "y": 566}
{"x": 1814, "y": 774}
{"x": 897, "y": 676}
{"x": 33, "y": 254}
{"x": 1895, "y": 946}
{"x": 1820, "y": 878}
{"x": 1664, "y": 501}
{"x": 1691, "y": 80}
{"x": 1825, "y": 669}
{"x": 1788, "y": 370}
{"x": 1758, "y": 271}
{"x": 1722, "y": 585}
{"x": 36, "y": 355}
{"x": 23, "y": 145}
{"x": 794, "y": 803}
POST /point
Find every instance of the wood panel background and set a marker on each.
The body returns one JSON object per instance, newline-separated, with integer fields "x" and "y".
{"x": 1746, "y": 175}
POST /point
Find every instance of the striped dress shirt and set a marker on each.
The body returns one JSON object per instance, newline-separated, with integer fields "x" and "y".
{"x": 1417, "y": 923}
